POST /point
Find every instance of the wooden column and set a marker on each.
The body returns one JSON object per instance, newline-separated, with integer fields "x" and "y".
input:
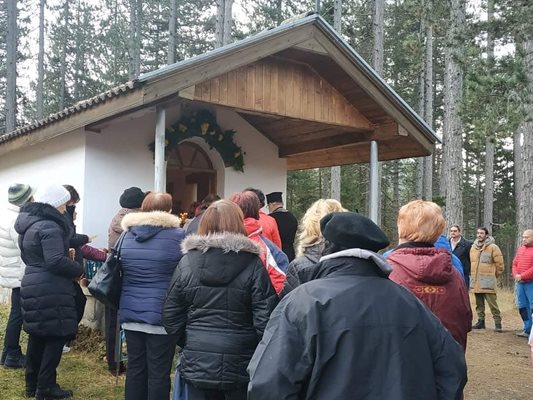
{"x": 160, "y": 170}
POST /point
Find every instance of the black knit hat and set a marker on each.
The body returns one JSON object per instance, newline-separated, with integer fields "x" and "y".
{"x": 274, "y": 197}
{"x": 132, "y": 198}
{"x": 352, "y": 230}
{"x": 18, "y": 194}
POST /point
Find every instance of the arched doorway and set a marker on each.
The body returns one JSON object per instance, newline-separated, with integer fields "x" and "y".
{"x": 190, "y": 175}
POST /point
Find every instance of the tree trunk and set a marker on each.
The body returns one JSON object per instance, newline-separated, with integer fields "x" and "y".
{"x": 135, "y": 38}
{"x": 171, "y": 51}
{"x": 228, "y": 22}
{"x": 428, "y": 99}
{"x": 518, "y": 182}
{"x": 63, "y": 56}
{"x": 336, "y": 171}
{"x": 40, "y": 63}
{"x": 11, "y": 61}
{"x": 421, "y": 111}
{"x": 377, "y": 63}
{"x": 219, "y": 27}
{"x": 452, "y": 160}
{"x": 526, "y": 131}
{"x": 488, "y": 198}
{"x": 79, "y": 54}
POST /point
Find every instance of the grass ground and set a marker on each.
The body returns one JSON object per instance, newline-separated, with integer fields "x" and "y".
{"x": 81, "y": 370}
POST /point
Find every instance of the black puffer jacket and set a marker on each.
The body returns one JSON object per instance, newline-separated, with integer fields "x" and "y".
{"x": 353, "y": 334}
{"x": 302, "y": 269}
{"x": 47, "y": 292}
{"x": 218, "y": 303}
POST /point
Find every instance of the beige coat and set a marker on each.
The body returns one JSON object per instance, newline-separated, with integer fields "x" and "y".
{"x": 487, "y": 265}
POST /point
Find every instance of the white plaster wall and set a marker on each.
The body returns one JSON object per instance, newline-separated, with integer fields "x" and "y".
{"x": 263, "y": 169}
{"x": 59, "y": 160}
{"x": 116, "y": 158}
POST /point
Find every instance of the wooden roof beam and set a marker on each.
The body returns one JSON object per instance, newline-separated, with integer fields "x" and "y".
{"x": 323, "y": 143}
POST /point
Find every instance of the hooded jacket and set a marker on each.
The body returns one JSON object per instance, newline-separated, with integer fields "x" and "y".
{"x": 429, "y": 274}
{"x": 149, "y": 255}
{"x": 353, "y": 334}
{"x": 11, "y": 264}
{"x": 303, "y": 269}
{"x": 486, "y": 261}
{"x": 47, "y": 291}
{"x": 218, "y": 304}
{"x": 274, "y": 261}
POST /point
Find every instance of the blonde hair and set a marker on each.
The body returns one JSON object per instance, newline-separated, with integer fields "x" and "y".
{"x": 420, "y": 221}
{"x": 310, "y": 224}
{"x": 222, "y": 216}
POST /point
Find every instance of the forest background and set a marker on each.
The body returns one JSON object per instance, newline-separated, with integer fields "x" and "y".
{"x": 465, "y": 66}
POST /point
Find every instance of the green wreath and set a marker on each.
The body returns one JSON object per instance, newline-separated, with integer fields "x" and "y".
{"x": 204, "y": 125}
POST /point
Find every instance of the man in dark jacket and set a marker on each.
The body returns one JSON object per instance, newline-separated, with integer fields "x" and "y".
{"x": 354, "y": 334}
{"x": 287, "y": 223}
{"x": 47, "y": 293}
{"x": 461, "y": 248}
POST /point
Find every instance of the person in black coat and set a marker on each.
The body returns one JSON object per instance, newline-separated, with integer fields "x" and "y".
{"x": 461, "y": 248}
{"x": 218, "y": 304}
{"x": 352, "y": 333}
{"x": 287, "y": 223}
{"x": 47, "y": 293}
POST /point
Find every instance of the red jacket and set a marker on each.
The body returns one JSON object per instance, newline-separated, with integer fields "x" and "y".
{"x": 254, "y": 232}
{"x": 270, "y": 228}
{"x": 429, "y": 274}
{"x": 523, "y": 263}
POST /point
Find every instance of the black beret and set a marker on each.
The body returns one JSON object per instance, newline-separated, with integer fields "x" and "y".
{"x": 352, "y": 230}
{"x": 132, "y": 198}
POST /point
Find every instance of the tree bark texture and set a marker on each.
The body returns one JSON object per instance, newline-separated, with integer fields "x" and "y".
{"x": 428, "y": 98}
{"x": 452, "y": 161}
{"x": 228, "y": 22}
{"x": 11, "y": 61}
{"x": 40, "y": 63}
{"x": 526, "y": 131}
{"x": 336, "y": 171}
{"x": 135, "y": 8}
{"x": 219, "y": 25}
{"x": 171, "y": 51}
{"x": 490, "y": 141}
{"x": 63, "y": 56}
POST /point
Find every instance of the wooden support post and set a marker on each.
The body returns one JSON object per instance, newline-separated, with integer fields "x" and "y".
{"x": 159, "y": 167}
{"x": 373, "y": 206}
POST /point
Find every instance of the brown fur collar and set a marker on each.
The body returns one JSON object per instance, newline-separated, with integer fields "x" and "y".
{"x": 156, "y": 218}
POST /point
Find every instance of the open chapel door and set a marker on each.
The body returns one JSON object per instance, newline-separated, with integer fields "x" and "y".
{"x": 190, "y": 175}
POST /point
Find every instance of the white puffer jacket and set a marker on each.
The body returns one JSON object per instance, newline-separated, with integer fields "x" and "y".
{"x": 11, "y": 265}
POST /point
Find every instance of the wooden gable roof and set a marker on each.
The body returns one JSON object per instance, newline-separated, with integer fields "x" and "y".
{"x": 300, "y": 84}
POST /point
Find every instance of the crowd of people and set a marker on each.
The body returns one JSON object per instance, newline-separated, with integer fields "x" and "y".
{"x": 251, "y": 315}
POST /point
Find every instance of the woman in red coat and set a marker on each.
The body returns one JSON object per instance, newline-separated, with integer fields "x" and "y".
{"x": 427, "y": 271}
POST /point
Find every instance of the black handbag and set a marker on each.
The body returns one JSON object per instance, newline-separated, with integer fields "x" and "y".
{"x": 106, "y": 285}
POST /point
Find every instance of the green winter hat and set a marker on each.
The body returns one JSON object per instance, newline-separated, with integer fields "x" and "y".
{"x": 19, "y": 194}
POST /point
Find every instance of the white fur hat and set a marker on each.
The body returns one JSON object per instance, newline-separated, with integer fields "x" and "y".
{"x": 54, "y": 194}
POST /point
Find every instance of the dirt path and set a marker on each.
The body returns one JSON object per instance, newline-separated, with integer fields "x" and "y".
{"x": 499, "y": 364}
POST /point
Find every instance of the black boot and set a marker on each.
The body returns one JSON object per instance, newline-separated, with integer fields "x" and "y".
{"x": 52, "y": 394}
{"x": 480, "y": 324}
{"x": 16, "y": 361}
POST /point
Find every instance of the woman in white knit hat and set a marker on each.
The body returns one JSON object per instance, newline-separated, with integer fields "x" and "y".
{"x": 47, "y": 292}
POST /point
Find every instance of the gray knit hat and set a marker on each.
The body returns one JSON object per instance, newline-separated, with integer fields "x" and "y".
{"x": 18, "y": 194}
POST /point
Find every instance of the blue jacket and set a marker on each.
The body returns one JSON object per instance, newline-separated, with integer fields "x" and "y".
{"x": 149, "y": 254}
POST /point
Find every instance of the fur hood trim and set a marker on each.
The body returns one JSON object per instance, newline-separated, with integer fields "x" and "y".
{"x": 225, "y": 241}
{"x": 155, "y": 218}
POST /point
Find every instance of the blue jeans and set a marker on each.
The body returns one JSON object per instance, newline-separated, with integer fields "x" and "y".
{"x": 14, "y": 325}
{"x": 524, "y": 299}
